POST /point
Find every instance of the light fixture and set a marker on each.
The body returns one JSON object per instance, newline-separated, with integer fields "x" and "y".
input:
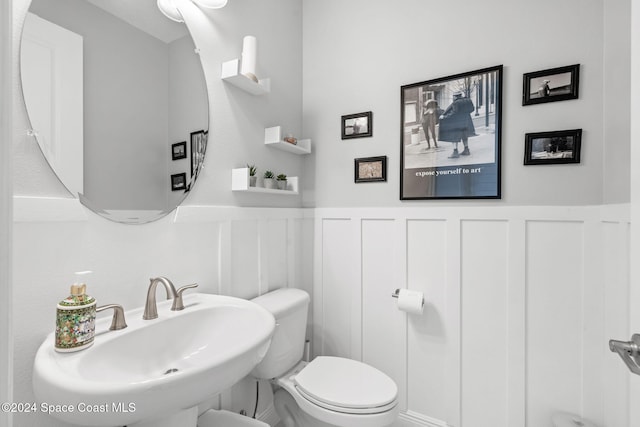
{"x": 169, "y": 9}
{"x": 211, "y": 4}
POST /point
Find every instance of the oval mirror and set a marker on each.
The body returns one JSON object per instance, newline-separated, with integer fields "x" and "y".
{"x": 117, "y": 101}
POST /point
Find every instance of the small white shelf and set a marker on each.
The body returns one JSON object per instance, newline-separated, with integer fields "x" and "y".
{"x": 273, "y": 138}
{"x": 240, "y": 182}
{"x": 231, "y": 73}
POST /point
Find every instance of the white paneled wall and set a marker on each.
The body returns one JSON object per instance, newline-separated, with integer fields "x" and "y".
{"x": 520, "y": 304}
{"x": 520, "y": 301}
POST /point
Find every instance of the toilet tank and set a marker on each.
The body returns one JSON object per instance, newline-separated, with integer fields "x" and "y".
{"x": 289, "y": 307}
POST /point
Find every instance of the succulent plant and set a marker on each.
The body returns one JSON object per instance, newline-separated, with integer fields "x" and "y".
{"x": 252, "y": 169}
{"x": 268, "y": 175}
{"x": 282, "y": 177}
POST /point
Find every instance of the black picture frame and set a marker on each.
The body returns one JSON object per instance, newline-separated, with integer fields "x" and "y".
{"x": 462, "y": 115}
{"x": 370, "y": 169}
{"x": 551, "y": 85}
{"x": 178, "y": 181}
{"x": 198, "y": 150}
{"x": 179, "y": 150}
{"x": 358, "y": 125}
{"x": 553, "y": 148}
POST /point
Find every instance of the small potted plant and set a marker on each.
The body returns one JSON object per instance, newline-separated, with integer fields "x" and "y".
{"x": 282, "y": 181}
{"x": 269, "y": 181}
{"x": 252, "y": 175}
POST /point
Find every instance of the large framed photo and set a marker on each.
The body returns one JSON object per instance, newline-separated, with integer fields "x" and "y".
{"x": 450, "y": 137}
{"x": 370, "y": 169}
{"x": 557, "y": 147}
{"x": 357, "y": 125}
{"x": 554, "y": 84}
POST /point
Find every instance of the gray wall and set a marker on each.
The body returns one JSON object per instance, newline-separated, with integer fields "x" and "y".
{"x": 375, "y": 46}
{"x": 617, "y": 79}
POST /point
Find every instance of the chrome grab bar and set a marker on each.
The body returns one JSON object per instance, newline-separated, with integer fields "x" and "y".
{"x": 629, "y": 351}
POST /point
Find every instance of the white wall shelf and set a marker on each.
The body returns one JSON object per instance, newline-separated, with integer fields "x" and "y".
{"x": 240, "y": 182}
{"x": 231, "y": 74}
{"x": 273, "y": 138}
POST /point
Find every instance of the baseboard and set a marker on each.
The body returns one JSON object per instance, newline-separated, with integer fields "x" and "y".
{"x": 269, "y": 416}
{"x": 405, "y": 419}
{"x": 415, "y": 419}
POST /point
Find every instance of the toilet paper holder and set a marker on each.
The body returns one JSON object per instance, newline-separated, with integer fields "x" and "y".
{"x": 396, "y": 294}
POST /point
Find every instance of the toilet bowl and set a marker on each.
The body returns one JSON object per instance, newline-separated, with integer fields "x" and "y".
{"x": 328, "y": 391}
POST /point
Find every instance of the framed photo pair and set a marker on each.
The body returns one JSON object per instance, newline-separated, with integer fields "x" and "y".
{"x": 450, "y": 137}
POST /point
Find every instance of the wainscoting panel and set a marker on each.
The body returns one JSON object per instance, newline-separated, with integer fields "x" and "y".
{"x": 484, "y": 348}
{"x": 274, "y": 249}
{"x": 341, "y": 315}
{"x": 245, "y": 272}
{"x": 520, "y": 303}
{"x": 554, "y": 319}
{"x": 383, "y": 325}
{"x": 617, "y": 306}
{"x": 428, "y": 337}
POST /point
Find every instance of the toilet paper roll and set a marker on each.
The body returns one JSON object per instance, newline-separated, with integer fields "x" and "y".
{"x": 410, "y": 301}
{"x": 249, "y": 54}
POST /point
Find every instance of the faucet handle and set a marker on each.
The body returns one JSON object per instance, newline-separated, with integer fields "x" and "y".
{"x": 118, "y": 321}
{"x": 177, "y": 301}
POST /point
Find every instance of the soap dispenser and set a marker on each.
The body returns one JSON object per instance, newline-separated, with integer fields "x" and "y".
{"x": 75, "y": 320}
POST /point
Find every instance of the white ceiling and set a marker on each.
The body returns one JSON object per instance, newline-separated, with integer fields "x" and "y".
{"x": 144, "y": 15}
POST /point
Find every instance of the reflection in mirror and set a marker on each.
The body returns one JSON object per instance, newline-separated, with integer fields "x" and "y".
{"x": 110, "y": 86}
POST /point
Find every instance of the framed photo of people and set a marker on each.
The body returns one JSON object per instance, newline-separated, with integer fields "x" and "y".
{"x": 450, "y": 137}
{"x": 554, "y": 84}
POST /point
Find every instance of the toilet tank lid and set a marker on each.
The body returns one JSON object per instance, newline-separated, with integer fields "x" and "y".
{"x": 283, "y": 301}
{"x": 570, "y": 420}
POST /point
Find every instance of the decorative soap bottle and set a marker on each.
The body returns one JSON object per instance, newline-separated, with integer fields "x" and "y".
{"x": 75, "y": 320}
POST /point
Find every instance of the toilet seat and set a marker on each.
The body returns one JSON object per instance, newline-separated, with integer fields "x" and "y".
{"x": 355, "y": 411}
{"x": 346, "y": 385}
{"x": 338, "y": 415}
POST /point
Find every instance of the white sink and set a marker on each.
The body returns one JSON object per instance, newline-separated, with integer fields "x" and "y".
{"x": 154, "y": 369}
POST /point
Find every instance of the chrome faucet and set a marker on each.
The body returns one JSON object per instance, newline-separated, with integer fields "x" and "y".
{"x": 151, "y": 308}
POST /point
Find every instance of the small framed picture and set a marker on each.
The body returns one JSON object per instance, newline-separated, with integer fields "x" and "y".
{"x": 370, "y": 169}
{"x": 178, "y": 181}
{"x": 555, "y": 84}
{"x": 179, "y": 150}
{"x": 357, "y": 125}
{"x": 558, "y": 147}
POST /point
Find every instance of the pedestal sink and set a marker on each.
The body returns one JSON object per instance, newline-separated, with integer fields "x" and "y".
{"x": 155, "y": 372}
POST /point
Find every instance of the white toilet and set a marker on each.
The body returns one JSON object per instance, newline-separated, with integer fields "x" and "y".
{"x": 328, "y": 391}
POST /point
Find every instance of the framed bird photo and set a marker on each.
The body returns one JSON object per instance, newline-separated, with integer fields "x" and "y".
{"x": 450, "y": 136}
